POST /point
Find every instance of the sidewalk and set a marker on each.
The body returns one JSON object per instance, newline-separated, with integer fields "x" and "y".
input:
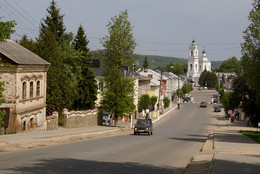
{"x": 227, "y": 151}
{"x": 34, "y": 139}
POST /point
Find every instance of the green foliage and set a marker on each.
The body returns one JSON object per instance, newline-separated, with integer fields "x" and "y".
{"x": 5, "y": 32}
{"x": 144, "y": 102}
{"x": 6, "y": 29}
{"x": 153, "y": 101}
{"x": 187, "y": 88}
{"x": 53, "y": 23}
{"x": 226, "y": 102}
{"x": 208, "y": 79}
{"x": 87, "y": 85}
{"x": 179, "y": 93}
{"x": 29, "y": 44}
{"x": 2, "y": 100}
{"x": 118, "y": 96}
{"x": 145, "y": 63}
{"x": 176, "y": 68}
{"x": 166, "y": 102}
{"x": 229, "y": 66}
{"x": 251, "y": 64}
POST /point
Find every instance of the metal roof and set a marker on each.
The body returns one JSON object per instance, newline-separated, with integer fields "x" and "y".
{"x": 19, "y": 54}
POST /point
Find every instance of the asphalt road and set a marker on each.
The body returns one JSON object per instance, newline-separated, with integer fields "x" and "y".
{"x": 177, "y": 137}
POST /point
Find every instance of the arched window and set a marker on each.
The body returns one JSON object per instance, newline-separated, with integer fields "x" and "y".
{"x": 31, "y": 89}
{"x": 38, "y": 88}
{"x": 191, "y": 53}
{"x": 191, "y": 67}
{"x": 24, "y": 90}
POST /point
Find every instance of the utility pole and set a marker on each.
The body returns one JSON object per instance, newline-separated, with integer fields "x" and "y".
{"x": 159, "y": 98}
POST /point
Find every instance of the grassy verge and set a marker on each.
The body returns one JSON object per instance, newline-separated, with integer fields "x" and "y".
{"x": 252, "y": 134}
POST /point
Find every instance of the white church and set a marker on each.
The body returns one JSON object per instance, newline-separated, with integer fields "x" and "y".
{"x": 197, "y": 65}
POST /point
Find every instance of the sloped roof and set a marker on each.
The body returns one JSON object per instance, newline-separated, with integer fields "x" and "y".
{"x": 20, "y": 55}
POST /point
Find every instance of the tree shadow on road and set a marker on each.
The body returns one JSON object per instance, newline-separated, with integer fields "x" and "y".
{"x": 69, "y": 165}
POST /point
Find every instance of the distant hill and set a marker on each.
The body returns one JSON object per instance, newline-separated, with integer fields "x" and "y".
{"x": 155, "y": 61}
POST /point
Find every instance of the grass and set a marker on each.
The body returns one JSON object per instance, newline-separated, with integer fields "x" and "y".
{"x": 255, "y": 135}
{"x": 191, "y": 159}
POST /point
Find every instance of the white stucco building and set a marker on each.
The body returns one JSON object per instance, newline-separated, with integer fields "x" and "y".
{"x": 197, "y": 65}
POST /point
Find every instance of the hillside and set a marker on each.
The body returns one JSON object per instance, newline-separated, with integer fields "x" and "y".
{"x": 155, "y": 61}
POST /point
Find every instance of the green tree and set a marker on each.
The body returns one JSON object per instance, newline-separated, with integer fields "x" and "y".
{"x": 53, "y": 23}
{"x": 6, "y": 29}
{"x": 179, "y": 93}
{"x": 145, "y": 63}
{"x": 186, "y": 88}
{"x": 166, "y": 102}
{"x": 144, "y": 102}
{"x": 153, "y": 101}
{"x": 208, "y": 79}
{"x": 176, "y": 68}
{"x": 230, "y": 65}
{"x": 87, "y": 85}
{"x": 5, "y": 32}
{"x": 29, "y": 44}
{"x": 51, "y": 43}
{"x": 118, "y": 96}
{"x": 251, "y": 62}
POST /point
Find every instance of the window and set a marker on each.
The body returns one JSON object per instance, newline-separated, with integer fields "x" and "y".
{"x": 38, "y": 88}
{"x": 31, "y": 89}
{"x": 191, "y": 67}
{"x": 24, "y": 90}
{"x": 191, "y": 53}
{"x": 200, "y": 67}
{"x": 196, "y": 67}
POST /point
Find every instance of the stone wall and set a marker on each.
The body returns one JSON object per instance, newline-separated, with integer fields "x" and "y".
{"x": 76, "y": 119}
{"x": 52, "y": 121}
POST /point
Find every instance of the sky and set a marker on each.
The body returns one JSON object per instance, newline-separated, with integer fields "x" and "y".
{"x": 160, "y": 27}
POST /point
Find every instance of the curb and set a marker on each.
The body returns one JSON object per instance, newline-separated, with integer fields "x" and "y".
{"x": 165, "y": 114}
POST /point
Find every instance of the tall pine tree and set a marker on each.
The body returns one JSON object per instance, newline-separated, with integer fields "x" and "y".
{"x": 52, "y": 34}
{"x": 87, "y": 85}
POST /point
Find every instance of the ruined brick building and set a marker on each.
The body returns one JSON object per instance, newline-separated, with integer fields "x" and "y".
{"x": 25, "y": 88}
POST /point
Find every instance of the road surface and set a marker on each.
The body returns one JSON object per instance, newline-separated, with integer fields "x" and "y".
{"x": 177, "y": 138}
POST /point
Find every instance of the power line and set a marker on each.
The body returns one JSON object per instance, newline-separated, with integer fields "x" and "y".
{"x": 26, "y": 12}
{"x": 8, "y": 11}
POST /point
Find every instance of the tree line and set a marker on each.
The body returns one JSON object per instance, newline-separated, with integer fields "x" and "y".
{"x": 246, "y": 86}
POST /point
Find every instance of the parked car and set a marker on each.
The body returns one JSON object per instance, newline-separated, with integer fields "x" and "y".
{"x": 186, "y": 99}
{"x": 143, "y": 126}
{"x": 203, "y": 104}
{"x": 106, "y": 118}
{"x": 217, "y": 108}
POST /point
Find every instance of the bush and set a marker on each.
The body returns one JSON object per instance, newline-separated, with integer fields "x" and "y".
{"x": 166, "y": 102}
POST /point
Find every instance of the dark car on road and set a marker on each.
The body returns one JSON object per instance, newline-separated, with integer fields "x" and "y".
{"x": 217, "y": 108}
{"x": 203, "y": 104}
{"x": 186, "y": 99}
{"x": 143, "y": 126}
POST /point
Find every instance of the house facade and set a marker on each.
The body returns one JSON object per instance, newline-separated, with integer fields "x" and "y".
{"x": 25, "y": 88}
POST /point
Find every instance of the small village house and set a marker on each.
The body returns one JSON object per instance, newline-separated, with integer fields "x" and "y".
{"x": 25, "y": 88}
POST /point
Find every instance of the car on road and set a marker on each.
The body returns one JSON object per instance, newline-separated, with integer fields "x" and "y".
{"x": 106, "y": 118}
{"x": 186, "y": 99}
{"x": 143, "y": 126}
{"x": 217, "y": 108}
{"x": 203, "y": 104}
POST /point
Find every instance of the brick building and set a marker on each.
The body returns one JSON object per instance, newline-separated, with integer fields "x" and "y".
{"x": 25, "y": 88}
